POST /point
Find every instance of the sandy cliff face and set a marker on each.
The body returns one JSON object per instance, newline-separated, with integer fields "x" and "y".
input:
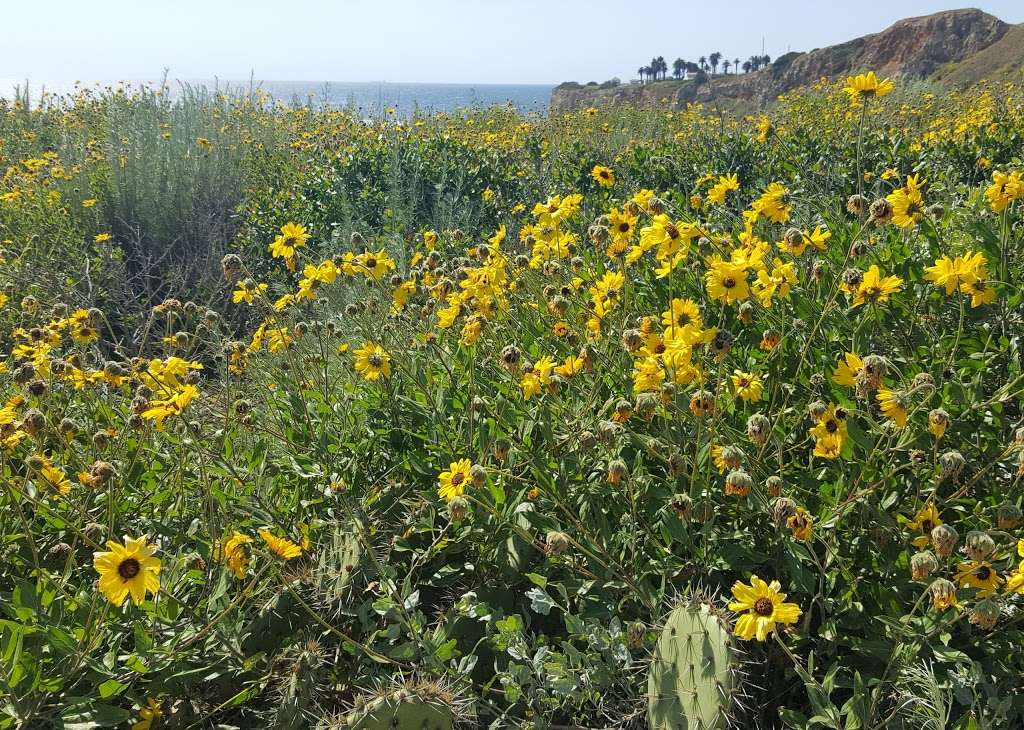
{"x": 913, "y": 47}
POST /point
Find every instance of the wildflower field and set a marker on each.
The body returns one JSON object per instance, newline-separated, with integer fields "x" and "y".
{"x": 615, "y": 419}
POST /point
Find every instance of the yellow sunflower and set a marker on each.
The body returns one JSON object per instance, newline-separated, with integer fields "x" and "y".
{"x": 128, "y": 569}
{"x": 372, "y": 361}
{"x": 926, "y": 520}
{"x": 875, "y": 287}
{"x": 603, "y": 176}
{"x": 727, "y": 282}
{"x": 866, "y": 86}
{"x": 234, "y": 552}
{"x": 979, "y": 574}
{"x": 282, "y": 547}
{"x": 452, "y": 483}
{"x": 846, "y": 371}
{"x": 762, "y": 607}
{"x": 747, "y": 386}
{"x": 894, "y": 405}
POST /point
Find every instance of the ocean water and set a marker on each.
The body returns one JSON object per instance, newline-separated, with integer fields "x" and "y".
{"x": 370, "y": 99}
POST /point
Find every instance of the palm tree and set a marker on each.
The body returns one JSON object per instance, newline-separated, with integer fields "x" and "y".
{"x": 735, "y": 65}
{"x": 640, "y": 73}
{"x": 663, "y": 67}
{"x": 678, "y": 67}
{"x": 725, "y": 65}
{"x": 703, "y": 62}
{"x": 714, "y": 59}
{"x": 747, "y": 66}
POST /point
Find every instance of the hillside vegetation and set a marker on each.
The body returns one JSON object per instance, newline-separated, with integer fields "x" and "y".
{"x": 953, "y": 49}
{"x": 618, "y": 418}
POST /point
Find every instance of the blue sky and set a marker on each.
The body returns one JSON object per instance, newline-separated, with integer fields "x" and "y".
{"x": 478, "y": 41}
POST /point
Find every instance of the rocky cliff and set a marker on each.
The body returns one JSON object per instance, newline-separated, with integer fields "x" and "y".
{"x": 928, "y": 46}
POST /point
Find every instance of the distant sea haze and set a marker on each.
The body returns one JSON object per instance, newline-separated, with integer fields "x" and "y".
{"x": 369, "y": 98}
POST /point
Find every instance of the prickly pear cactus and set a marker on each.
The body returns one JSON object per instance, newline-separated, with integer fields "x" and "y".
{"x": 693, "y": 680}
{"x": 339, "y": 562}
{"x": 402, "y": 709}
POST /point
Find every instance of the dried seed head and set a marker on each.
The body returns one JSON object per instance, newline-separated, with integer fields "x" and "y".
{"x": 231, "y": 266}
{"x": 944, "y": 539}
{"x": 782, "y": 510}
{"x": 556, "y": 543}
{"x": 951, "y": 465}
{"x": 978, "y": 545}
{"x": 721, "y": 343}
{"x": 682, "y": 505}
{"x": 1008, "y": 516}
{"x": 646, "y": 405}
{"x": 852, "y": 279}
{"x": 458, "y": 507}
{"x": 880, "y": 211}
{"x": 617, "y": 471}
{"x": 943, "y": 593}
{"x": 676, "y": 464}
{"x": 746, "y": 312}
{"x": 857, "y": 204}
{"x": 923, "y": 564}
{"x": 738, "y": 483}
{"x": 732, "y": 457}
{"x": 33, "y": 422}
{"x": 632, "y": 340}
{"x": 758, "y": 428}
{"x": 923, "y": 382}
{"x": 985, "y": 614}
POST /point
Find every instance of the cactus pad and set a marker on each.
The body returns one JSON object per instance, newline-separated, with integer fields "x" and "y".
{"x": 403, "y": 709}
{"x": 693, "y": 678}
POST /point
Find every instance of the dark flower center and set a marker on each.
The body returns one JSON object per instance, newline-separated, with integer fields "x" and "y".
{"x": 128, "y": 569}
{"x": 371, "y": 263}
{"x": 764, "y": 606}
{"x": 728, "y": 282}
{"x": 623, "y": 228}
{"x": 831, "y": 426}
{"x": 983, "y": 572}
{"x": 458, "y": 478}
{"x": 927, "y": 525}
{"x": 375, "y": 361}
